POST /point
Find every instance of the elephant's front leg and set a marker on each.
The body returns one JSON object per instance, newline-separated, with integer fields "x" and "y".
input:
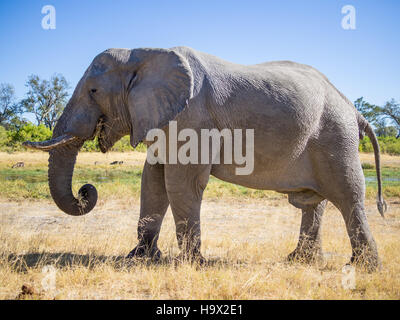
{"x": 153, "y": 206}
{"x": 309, "y": 247}
{"x": 185, "y": 185}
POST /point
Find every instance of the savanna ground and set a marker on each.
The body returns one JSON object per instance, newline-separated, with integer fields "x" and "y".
{"x": 246, "y": 236}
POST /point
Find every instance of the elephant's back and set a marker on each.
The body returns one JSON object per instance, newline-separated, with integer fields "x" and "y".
{"x": 283, "y": 101}
{"x": 282, "y": 104}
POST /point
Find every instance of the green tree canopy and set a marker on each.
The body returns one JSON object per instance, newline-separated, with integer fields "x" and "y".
{"x": 383, "y": 130}
{"x": 390, "y": 111}
{"x": 386, "y": 119}
{"x": 366, "y": 109}
{"x": 46, "y": 99}
{"x": 9, "y": 108}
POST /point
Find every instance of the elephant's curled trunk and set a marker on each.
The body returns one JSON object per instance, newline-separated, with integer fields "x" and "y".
{"x": 61, "y": 168}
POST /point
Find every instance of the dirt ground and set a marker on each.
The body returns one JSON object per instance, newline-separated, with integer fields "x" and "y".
{"x": 242, "y": 240}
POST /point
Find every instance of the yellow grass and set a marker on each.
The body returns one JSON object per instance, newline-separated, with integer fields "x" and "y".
{"x": 245, "y": 241}
{"x": 133, "y": 158}
{"x": 386, "y": 160}
{"x": 138, "y": 158}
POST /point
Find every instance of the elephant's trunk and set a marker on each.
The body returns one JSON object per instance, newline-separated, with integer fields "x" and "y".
{"x": 63, "y": 149}
{"x": 61, "y": 168}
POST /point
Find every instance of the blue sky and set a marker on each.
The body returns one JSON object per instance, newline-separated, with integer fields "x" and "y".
{"x": 362, "y": 62}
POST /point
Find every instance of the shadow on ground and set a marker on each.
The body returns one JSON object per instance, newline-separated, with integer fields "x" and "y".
{"x": 23, "y": 262}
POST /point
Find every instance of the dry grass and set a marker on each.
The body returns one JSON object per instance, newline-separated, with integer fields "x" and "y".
{"x": 386, "y": 160}
{"x": 35, "y": 158}
{"x": 245, "y": 241}
{"x": 138, "y": 158}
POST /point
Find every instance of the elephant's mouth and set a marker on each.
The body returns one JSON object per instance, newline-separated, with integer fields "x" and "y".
{"x": 100, "y": 132}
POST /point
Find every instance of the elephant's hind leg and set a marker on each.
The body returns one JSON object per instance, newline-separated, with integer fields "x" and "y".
{"x": 153, "y": 206}
{"x": 345, "y": 188}
{"x": 364, "y": 249}
{"x": 309, "y": 247}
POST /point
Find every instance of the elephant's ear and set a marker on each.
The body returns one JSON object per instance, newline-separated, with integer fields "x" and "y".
{"x": 159, "y": 86}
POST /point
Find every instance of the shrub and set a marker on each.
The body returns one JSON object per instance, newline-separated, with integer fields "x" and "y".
{"x": 122, "y": 145}
{"x": 11, "y": 140}
{"x": 3, "y": 136}
{"x": 90, "y": 145}
{"x": 389, "y": 145}
{"x": 365, "y": 145}
{"x": 366, "y": 165}
{"x": 29, "y": 132}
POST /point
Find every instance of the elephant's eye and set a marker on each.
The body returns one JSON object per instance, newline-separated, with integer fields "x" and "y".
{"x": 93, "y": 90}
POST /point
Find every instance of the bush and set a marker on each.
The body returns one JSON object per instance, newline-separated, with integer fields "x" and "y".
{"x": 365, "y": 145}
{"x": 122, "y": 145}
{"x": 11, "y": 140}
{"x": 366, "y": 165}
{"x": 3, "y": 137}
{"x": 30, "y": 132}
{"x": 389, "y": 145}
{"x": 90, "y": 146}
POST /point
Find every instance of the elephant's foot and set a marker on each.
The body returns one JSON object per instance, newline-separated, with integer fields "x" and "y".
{"x": 308, "y": 254}
{"x": 144, "y": 251}
{"x": 366, "y": 258}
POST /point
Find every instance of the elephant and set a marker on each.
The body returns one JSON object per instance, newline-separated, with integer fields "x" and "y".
{"x": 306, "y": 137}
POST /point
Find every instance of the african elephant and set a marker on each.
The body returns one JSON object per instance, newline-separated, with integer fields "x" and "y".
{"x": 306, "y": 136}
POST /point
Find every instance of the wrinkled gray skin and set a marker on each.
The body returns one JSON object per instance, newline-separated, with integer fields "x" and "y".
{"x": 306, "y": 140}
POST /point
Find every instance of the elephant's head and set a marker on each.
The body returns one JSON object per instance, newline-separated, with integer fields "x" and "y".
{"x": 122, "y": 92}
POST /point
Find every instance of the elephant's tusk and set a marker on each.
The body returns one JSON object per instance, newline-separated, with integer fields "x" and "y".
{"x": 50, "y": 144}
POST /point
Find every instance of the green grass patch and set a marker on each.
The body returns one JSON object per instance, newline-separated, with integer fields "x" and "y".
{"x": 124, "y": 182}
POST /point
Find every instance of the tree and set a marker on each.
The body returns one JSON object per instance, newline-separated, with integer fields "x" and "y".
{"x": 379, "y": 116}
{"x": 391, "y": 112}
{"x": 382, "y": 130}
{"x": 16, "y": 123}
{"x": 46, "y": 99}
{"x": 366, "y": 109}
{"x": 8, "y": 105}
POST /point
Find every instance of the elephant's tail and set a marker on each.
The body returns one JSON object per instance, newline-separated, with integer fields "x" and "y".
{"x": 365, "y": 128}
